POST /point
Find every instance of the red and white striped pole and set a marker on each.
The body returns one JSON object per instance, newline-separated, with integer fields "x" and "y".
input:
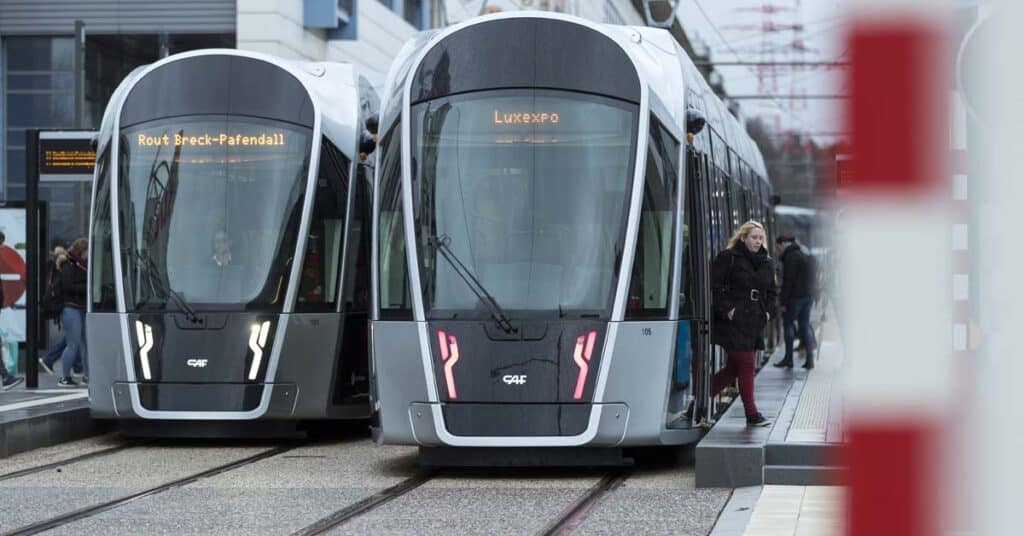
{"x": 896, "y": 290}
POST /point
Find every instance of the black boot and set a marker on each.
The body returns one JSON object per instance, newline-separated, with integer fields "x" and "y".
{"x": 809, "y": 362}
{"x": 786, "y": 362}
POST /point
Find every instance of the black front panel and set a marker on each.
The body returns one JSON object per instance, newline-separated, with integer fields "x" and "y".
{"x": 526, "y": 53}
{"x": 218, "y": 84}
{"x": 506, "y": 420}
{"x": 534, "y": 365}
{"x": 200, "y": 397}
{"x": 219, "y": 350}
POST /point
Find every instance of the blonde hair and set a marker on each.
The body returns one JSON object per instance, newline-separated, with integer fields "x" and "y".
{"x": 60, "y": 256}
{"x": 743, "y": 231}
{"x": 76, "y": 248}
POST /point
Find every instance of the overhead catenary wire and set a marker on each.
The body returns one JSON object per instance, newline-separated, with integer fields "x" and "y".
{"x": 773, "y": 98}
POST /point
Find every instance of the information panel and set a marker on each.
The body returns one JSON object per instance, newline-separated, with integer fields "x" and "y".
{"x": 66, "y": 155}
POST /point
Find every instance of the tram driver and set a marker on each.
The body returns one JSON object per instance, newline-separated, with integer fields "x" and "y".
{"x": 221, "y": 248}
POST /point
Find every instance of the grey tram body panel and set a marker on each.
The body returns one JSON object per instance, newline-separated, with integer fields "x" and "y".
{"x": 398, "y": 377}
{"x": 300, "y": 391}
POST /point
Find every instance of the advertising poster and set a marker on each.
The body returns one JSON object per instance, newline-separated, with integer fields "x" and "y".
{"x": 12, "y": 274}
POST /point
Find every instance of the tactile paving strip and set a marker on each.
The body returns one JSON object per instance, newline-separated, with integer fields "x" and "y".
{"x": 811, "y": 422}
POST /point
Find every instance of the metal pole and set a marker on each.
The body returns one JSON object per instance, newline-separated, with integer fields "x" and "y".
{"x": 822, "y": 64}
{"x": 79, "y": 74}
{"x": 31, "y": 258}
{"x": 165, "y": 45}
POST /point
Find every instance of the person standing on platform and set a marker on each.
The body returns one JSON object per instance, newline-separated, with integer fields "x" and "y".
{"x": 796, "y": 298}
{"x": 60, "y": 256}
{"x": 74, "y": 281}
{"x": 743, "y": 298}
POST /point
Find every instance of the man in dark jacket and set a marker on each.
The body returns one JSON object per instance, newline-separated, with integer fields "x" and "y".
{"x": 796, "y": 298}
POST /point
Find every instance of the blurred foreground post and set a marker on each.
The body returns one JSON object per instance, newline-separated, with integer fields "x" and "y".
{"x": 894, "y": 238}
{"x": 999, "y": 122}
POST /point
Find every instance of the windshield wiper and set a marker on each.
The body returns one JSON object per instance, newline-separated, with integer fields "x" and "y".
{"x": 440, "y": 244}
{"x": 145, "y": 263}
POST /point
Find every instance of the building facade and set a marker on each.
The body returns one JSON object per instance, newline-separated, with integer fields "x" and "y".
{"x": 48, "y": 80}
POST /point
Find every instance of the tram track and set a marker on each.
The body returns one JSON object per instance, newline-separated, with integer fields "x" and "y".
{"x": 580, "y": 510}
{"x": 89, "y": 511}
{"x": 363, "y": 506}
{"x": 68, "y": 461}
{"x": 567, "y": 521}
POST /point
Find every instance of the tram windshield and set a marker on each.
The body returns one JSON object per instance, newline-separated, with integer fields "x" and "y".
{"x": 529, "y": 190}
{"x": 212, "y": 204}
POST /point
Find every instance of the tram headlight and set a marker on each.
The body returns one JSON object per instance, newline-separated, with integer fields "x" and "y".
{"x": 144, "y": 333}
{"x": 449, "y": 356}
{"x": 257, "y": 342}
{"x": 581, "y": 356}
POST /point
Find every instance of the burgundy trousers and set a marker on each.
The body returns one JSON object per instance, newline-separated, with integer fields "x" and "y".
{"x": 738, "y": 364}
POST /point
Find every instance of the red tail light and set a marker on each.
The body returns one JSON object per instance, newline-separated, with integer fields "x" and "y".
{"x": 581, "y": 356}
{"x": 449, "y": 356}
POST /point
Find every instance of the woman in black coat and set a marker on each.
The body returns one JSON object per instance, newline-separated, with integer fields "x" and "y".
{"x": 744, "y": 292}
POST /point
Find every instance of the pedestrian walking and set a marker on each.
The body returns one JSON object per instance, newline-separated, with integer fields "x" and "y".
{"x": 73, "y": 282}
{"x": 7, "y": 380}
{"x": 743, "y": 298}
{"x": 47, "y": 361}
{"x": 799, "y": 286}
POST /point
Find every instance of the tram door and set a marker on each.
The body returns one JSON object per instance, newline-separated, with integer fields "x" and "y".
{"x": 695, "y": 301}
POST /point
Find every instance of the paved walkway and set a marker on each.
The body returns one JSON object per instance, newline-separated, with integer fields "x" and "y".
{"x": 782, "y": 511}
{"x": 814, "y": 425}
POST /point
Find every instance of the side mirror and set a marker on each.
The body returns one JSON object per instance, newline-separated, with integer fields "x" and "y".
{"x": 695, "y": 121}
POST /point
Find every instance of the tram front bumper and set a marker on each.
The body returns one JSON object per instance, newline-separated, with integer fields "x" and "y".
{"x": 517, "y": 425}
{"x": 223, "y": 401}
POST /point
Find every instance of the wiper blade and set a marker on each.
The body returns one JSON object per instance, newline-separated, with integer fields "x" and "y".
{"x": 146, "y": 264}
{"x": 440, "y": 243}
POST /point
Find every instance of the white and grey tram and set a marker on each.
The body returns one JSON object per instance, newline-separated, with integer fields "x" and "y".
{"x": 230, "y": 244}
{"x": 543, "y": 234}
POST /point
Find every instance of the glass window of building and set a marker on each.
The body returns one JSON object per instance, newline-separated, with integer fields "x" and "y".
{"x": 39, "y": 92}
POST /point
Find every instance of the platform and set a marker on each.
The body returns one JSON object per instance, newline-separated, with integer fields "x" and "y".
{"x": 782, "y": 511}
{"x": 802, "y": 445}
{"x": 34, "y": 418}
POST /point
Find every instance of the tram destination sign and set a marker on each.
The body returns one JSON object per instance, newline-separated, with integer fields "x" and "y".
{"x": 66, "y": 155}
{"x": 211, "y": 139}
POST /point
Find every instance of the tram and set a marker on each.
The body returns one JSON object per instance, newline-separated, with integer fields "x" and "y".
{"x": 230, "y": 244}
{"x": 549, "y": 195}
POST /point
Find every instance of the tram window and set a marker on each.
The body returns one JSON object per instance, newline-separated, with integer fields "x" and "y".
{"x": 652, "y": 264}
{"x": 126, "y": 218}
{"x": 318, "y": 280}
{"x": 216, "y": 223}
{"x": 529, "y": 190}
{"x": 728, "y": 222}
{"x": 357, "y": 266}
{"x": 394, "y": 295}
{"x": 102, "y": 254}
